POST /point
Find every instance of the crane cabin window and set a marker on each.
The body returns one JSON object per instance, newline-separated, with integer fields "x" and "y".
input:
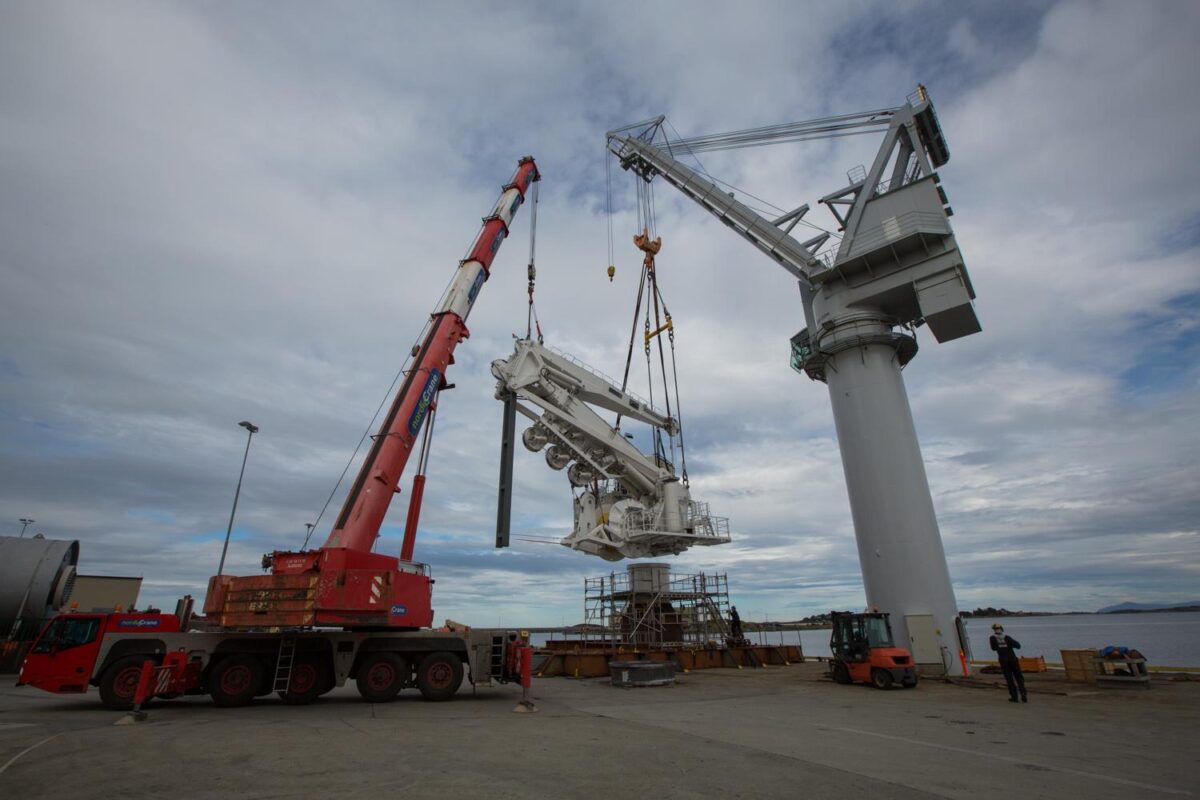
{"x": 65, "y": 633}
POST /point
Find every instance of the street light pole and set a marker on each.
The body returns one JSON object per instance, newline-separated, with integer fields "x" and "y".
{"x": 307, "y": 536}
{"x": 25, "y": 523}
{"x": 253, "y": 429}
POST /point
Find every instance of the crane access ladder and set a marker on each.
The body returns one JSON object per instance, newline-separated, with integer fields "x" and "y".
{"x": 284, "y": 663}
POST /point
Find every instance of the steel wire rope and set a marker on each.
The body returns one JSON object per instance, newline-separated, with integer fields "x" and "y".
{"x": 824, "y": 127}
{"x": 683, "y": 473}
{"x": 637, "y": 308}
{"x": 531, "y": 317}
{"x": 704, "y": 171}
{"x": 608, "y": 156}
{"x": 656, "y": 299}
{"x": 656, "y": 296}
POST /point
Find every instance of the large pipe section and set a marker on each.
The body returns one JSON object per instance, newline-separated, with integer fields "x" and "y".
{"x": 367, "y": 504}
{"x": 36, "y": 575}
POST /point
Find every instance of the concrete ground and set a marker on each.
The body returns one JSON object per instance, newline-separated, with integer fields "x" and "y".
{"x": 779, "y": 732}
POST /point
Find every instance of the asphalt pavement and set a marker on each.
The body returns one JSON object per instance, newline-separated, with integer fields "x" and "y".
{"x": 778, "y": 732}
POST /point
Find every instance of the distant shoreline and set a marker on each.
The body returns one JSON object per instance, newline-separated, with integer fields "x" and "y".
{"x": 1003, "y": 612}
{"x": 1150, "y": 610}
{"x": 822, "y": 622}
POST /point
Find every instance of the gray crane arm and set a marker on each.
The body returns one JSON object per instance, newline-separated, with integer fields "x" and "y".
{"x": 647, "y": 160}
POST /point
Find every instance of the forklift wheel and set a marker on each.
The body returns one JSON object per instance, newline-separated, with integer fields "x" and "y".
{"x": 881, "y": 678}
{"x": 839, "y": 672}
{"x": 910, "y": 683}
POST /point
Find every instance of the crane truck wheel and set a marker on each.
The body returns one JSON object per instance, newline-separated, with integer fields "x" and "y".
{"x": 439, "y": 675}
{"x": 381, "y": 676}
{"x": 307, "y": 682}
{"x": 839, "y": 672}
{"x": 881, "y": 678}
{"x": 234, "y": 680}
{"x": 119, "y": 683}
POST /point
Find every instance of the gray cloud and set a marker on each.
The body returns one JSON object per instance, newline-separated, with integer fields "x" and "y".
{"x": 216, "y": 213}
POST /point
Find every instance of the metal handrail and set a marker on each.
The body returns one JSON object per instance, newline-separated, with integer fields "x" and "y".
{"x": 695, "y": 515}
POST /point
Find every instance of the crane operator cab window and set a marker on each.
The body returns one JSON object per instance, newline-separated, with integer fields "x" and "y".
{"x": 65, "y": 633}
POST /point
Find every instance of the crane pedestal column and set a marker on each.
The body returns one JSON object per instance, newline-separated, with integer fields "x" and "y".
{"x": 899, "y": 544}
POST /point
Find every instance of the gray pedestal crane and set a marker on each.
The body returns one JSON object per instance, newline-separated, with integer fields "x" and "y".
{"x": 897, "y": 266}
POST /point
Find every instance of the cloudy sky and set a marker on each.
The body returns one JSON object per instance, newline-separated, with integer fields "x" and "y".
{"x": 212, "y": 212}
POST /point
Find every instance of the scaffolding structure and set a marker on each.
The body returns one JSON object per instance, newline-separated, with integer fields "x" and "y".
{"x": 649, "y": 608}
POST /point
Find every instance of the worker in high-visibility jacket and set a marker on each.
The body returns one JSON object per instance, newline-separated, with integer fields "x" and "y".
{"x": 1006, "y": 647}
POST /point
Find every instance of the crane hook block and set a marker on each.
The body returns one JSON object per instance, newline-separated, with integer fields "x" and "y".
{"x": 646, "y": 245}
{"x": 611, "y": 272}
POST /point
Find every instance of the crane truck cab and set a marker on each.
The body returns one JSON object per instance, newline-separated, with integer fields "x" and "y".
{"x": 63, "y": 657}
{"x": 864, "y": 651}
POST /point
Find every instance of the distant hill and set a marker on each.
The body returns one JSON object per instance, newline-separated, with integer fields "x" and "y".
{"x": 1128, "y": 607}
{"x": 1004, "y": 612}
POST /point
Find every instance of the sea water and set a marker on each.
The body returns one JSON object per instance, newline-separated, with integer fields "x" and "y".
{"x": 1165, "y": 638}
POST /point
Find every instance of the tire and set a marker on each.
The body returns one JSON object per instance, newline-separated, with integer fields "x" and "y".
{"x": 308, "y": 681}
{"x": 119, "y": 683}
{"x": 381, "y": 676}
{"x": 234, "y": 681}
{"x": 909, "y": 683}
{"x": 840, "y": 673}
{"x": 439, "y": 675}
{"x": 881, "y": 678}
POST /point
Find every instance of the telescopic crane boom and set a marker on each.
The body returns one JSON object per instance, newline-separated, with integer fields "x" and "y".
{"x": 343, "y": 583}
{"x": 363, "y": 512}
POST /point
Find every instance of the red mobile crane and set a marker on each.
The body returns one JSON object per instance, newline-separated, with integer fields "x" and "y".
{"x": 321, "y": 616}
{"x": 343, "y": 583}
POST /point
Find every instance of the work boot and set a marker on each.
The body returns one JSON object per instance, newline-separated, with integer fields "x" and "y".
{"x": 1012, "y": 699}
{"x": 1024, "y": 697}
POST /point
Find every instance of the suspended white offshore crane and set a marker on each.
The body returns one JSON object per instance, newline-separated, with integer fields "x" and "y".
{"x": 897, "y": 266}
{"x": 629, "y": 505}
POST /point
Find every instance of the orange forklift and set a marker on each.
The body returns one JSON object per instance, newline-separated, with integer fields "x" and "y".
{"x": 864, "y": 652}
